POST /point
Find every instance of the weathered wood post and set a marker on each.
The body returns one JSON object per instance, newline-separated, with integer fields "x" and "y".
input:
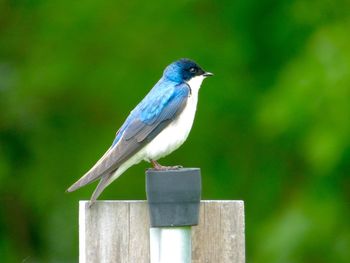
{"x": 119, "y": 231}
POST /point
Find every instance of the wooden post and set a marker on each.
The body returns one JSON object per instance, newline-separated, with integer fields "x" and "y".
{"x": 118, "y": 231}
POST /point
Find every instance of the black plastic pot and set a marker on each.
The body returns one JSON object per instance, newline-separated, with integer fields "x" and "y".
{"x": 174, "y": 196}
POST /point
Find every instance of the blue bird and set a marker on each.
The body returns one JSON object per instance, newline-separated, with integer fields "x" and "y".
{"x": 157, "y": 126}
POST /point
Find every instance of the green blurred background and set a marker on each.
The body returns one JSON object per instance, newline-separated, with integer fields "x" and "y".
{"x": 272, "y": 126}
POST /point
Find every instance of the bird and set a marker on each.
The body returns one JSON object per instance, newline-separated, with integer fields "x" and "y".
{"x": 156, "y": 127}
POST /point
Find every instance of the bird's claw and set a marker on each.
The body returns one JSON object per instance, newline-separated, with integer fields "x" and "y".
{"x": 160, "y": 167}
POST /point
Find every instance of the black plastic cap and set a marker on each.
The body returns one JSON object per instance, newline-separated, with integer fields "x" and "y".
{"x": 174, "y": 196}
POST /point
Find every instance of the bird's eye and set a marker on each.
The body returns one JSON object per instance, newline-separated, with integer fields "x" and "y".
{"x": 193, "y": 70}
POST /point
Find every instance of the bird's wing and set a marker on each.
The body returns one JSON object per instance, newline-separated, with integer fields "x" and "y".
{"x": 145, "y": 122}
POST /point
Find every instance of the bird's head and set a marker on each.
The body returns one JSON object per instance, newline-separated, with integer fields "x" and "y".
{"x": 184, "y": 70}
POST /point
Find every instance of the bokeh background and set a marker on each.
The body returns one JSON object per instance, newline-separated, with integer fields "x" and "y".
{"x": 272, "y": 126}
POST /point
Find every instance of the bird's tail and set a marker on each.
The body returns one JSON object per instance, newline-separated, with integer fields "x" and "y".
{"x": 104, "y": 182}
{"x": 85, "y": 180}
{"x": 91, "y": 176}
{"x": 106, "y": 179}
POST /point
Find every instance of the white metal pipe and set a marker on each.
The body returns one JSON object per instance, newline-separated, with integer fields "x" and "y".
{"x": 170, "y": 244}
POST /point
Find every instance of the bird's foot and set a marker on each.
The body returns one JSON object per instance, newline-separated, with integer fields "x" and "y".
{"x": 159, "y": 167}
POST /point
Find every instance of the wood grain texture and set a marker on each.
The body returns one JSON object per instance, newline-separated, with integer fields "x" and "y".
{"x": 118, "y": 231}
{"x": 219, "y": 236}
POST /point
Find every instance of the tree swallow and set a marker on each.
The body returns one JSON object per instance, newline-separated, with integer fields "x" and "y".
{"x": 158, "y": 125}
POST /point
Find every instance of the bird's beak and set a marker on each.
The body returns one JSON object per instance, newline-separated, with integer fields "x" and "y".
{"x": 208, "y": 74}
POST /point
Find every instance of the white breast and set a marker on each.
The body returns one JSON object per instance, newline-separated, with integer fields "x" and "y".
{"x": 174, "y": 135}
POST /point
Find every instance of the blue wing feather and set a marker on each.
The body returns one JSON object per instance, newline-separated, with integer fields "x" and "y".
{"x": 159, "y": 105}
